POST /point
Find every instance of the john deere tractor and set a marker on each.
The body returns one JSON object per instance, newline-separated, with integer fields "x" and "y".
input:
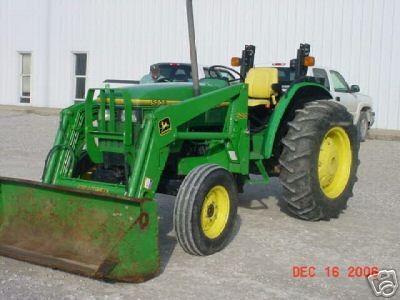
{"x": 95, "y": 214}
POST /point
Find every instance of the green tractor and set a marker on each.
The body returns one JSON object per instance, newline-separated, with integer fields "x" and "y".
{"x": 94, "y": 212}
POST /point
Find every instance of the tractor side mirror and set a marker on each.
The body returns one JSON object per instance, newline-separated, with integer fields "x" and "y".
{"x": 354, "y": 88}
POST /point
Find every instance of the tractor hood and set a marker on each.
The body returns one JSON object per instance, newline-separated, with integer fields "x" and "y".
{"x": 171, "y": 90}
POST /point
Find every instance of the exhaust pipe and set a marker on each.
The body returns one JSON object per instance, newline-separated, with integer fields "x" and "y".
{"x": 192, "y": 43}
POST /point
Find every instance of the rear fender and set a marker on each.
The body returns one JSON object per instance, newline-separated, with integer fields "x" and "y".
{"x": 295, "y": 98}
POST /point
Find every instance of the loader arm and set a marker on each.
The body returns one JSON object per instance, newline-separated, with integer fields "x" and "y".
{"x": 67, "y": 144}
{"x": 154, "y": 150}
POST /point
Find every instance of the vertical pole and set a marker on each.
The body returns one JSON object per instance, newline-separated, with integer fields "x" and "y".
{"x": 192, "y": 43}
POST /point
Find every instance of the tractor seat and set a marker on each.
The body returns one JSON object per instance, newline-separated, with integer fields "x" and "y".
{"x": 260, "y": 82}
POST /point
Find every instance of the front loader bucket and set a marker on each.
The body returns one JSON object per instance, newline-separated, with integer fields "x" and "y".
{"x": 84, "y": 232}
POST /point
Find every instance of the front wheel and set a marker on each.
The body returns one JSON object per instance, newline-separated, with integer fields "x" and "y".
{"x": 205, "y": 210}
{"x": 363, "y": 127}
{"x": 319, "y": 161}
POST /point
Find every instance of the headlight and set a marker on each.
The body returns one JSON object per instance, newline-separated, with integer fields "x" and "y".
{"x": 120, "y": 115}
{"x": 134, "y": 116}
{"x": 106, "y": 115}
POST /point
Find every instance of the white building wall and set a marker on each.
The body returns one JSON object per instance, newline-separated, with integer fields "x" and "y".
{"x": 23, "y": 29}
{"x": 360, "y": 38}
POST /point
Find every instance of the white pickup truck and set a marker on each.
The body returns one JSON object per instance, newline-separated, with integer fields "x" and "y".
{"x": 359, "y": 105}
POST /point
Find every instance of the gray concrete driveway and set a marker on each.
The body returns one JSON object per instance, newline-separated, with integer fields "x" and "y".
{"x": 258, "y": 262}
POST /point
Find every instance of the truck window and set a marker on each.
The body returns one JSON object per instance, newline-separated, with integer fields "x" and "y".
{"x": 169, "y": 71}
{"x": 321, "y": 74}
{"x": 285, "y": 75}
{"x": 206, "y": 73}
{"x": 339, "y": 84}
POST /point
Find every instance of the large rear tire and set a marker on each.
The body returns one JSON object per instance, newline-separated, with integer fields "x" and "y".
{"x": 205, "y": 210}
{"x": 319, "y": 161}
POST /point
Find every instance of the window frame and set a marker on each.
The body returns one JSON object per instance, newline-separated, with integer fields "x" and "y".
{"x": 341, "y": 78}
{"x": 23, "y": 99}
{"x": 326, "y": 77}
{"x": 75, "y": 76}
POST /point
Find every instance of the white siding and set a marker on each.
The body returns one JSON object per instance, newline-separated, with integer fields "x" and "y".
{"x": 360, "y": 38}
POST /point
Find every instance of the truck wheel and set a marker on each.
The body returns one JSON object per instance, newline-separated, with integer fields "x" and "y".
{"x": 363, "y": 126}
{"x": 205, "y": 210}
{"x": 319, "y": 160}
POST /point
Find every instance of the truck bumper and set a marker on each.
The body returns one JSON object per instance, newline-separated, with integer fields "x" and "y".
{"x": 372, "y": 119}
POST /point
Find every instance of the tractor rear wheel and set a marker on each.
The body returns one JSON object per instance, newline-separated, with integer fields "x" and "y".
{"x": 205, "y": 210}
{"x": 319, "y": 161}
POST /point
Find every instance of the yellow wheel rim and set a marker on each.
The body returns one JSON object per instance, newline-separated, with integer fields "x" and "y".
{"x": 334, "y": 162}
{"x": 215, "y": 212}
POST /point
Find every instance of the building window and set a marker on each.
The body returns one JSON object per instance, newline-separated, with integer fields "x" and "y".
{"x": 25, "y": 94}
{"x": 80, "y": 62}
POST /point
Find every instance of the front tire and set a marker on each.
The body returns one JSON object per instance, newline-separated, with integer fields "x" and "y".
{"x": 205, "y": 210}
{"x": 363, "y": 126}
{"x": 319, "y": 161}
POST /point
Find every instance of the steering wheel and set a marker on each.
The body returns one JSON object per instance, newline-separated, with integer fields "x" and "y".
{"x": 213, "y": 71}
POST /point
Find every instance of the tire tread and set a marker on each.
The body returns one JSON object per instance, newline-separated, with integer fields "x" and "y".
{"x": 301, "y": 191}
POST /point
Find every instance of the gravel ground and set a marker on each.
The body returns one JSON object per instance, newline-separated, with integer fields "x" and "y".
{"x": 257, "y": 264}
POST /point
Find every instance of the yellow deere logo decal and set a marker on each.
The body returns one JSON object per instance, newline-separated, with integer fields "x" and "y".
{"x": 93, "y": 188}
{"x": 164, "y": 126}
